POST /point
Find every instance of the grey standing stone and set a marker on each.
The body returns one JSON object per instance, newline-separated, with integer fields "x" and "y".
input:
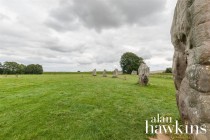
{"x": 104, "y": 73}
{"x": 190, "y": 35}
{"x": 94, "y": 72}
{"x": 115, "y": 73}
{"x": 143, "y": 74}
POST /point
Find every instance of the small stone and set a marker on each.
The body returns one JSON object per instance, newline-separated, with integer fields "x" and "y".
{"x": 94, "y": 72}
{"x": 115, "y": 73}
{"x": 104, "y": 73}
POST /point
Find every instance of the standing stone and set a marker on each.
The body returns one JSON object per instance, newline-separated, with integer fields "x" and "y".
{"x": 104, "y": 73}
{"x": 190, "y": 35}
{"x": 134, "y": 72}
{"x": 143, "y": 74}
{"x": 94, "y": 72}
{"x": 115, "y": 73}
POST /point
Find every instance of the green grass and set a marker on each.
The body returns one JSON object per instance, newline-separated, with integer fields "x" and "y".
{"x": 81, "y": 107}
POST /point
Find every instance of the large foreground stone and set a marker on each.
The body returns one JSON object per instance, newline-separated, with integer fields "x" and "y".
{"x": 190, "y": 34}
{"x": 143, "y": 72}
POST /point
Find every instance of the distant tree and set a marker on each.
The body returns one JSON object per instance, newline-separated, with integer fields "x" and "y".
{"x": 39, "y": 69}
{"x": 15, "y": 68}
{"x": 129, "y": 62}
{"x": 29, "y": 69}
{"x": 168, "y": 70}
{"x": 21, "y": 69}
{"x": 10, "y": 67}
{"x": 1, "y": 68}
{"x": 34, "y": 69}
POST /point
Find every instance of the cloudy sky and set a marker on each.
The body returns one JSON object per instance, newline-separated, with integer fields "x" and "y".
{"x": 72, "y": 35}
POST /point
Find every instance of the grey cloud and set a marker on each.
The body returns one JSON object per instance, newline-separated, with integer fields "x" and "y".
{"x": 62, "y": 26}
{"x": 169, "y": 58}
{"x": 84, "y": 61}
{"x": 79, "y": 48}
{"x": 107, "y": 57}
{"x": 3, "y": 17}
{"x": 125, "y": 25}
{"x": 103, "y": 14}
{"x": 145, "y": 53}
{"x": 136, "y": 10}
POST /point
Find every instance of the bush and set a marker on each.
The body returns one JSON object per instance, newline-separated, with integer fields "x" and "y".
{"x": 168, "y": 70}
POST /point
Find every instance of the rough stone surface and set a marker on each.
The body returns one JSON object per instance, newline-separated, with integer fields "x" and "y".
{"x": 94, "y": 72}
{"x": 143, "y": 74}
{"x": 190, "y": 35}
{"x": 104, "y": 73}
{"x": 115, "y": 73}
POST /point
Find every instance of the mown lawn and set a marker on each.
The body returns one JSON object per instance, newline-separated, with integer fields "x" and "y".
{"x": 81, "y": 107}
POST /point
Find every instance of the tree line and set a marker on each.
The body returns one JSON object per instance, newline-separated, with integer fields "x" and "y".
{"x": 16, "y": 68}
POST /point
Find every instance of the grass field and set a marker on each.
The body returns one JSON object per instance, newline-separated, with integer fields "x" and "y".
{"x": 81, "y": 107}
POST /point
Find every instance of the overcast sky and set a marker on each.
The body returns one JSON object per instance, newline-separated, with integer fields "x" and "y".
{"x": 72, "y": 35}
